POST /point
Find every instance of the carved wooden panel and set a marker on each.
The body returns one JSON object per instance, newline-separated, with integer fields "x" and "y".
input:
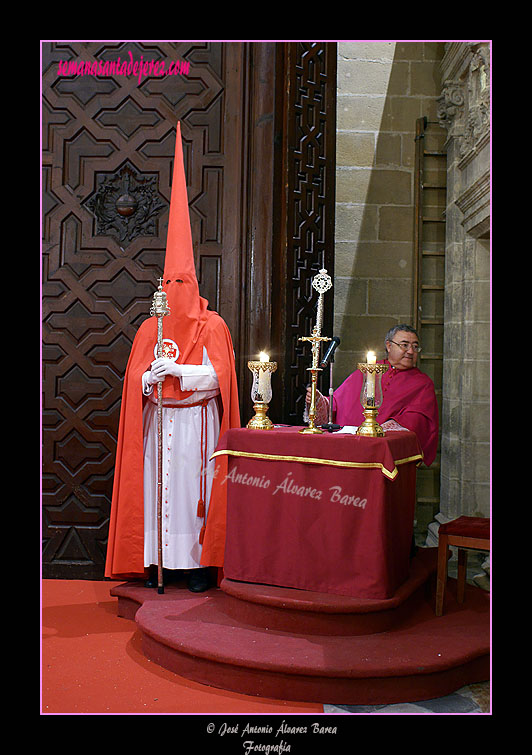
{"x": 108, "y": 145}
{"x": 305, "y": 241}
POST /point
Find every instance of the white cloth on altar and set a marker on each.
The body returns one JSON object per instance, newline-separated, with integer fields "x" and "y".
{"x": 182, "y": 465}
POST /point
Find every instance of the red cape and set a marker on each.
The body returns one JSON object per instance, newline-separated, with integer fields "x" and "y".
{"x": 408, "y": 398}
{"x": 125, "y": 548}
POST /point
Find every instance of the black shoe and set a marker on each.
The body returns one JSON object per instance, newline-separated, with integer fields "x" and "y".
{"x": 169, "y": 575}
{"x": 198, "y": 580}
{"x": 152, "y": 580}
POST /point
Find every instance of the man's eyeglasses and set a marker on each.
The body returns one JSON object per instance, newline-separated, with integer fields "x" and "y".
{"x": 405, "y": 345}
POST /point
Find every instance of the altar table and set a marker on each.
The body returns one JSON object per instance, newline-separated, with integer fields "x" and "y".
{"x": 331, "y": 513}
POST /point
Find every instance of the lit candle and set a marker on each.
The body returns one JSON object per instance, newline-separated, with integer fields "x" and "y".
{"x": 263, "y": 376}
{"x": 371, "y": 359}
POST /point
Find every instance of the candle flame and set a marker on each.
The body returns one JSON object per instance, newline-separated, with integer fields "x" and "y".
{"x": 264, "y": 357}
{"x": 371, "y": 357}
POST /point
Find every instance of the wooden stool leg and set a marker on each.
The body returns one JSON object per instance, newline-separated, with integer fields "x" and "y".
{"x": 462, "y": 571}
{"x": 441, "y": 578}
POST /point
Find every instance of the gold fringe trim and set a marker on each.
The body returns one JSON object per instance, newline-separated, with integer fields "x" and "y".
{"x": 329, "y": 462}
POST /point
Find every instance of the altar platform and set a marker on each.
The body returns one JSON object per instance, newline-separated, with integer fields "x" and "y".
{"x": 292, "y": 644}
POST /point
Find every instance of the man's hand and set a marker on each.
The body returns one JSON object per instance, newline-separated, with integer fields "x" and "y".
{"x": 308, "y": 397}
{"x": 391, "y": 424}
{"x": 162, "y": 367}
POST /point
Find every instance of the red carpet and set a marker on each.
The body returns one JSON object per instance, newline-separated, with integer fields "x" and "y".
{"x": 92, "y": 663}
{"x": 247, "y": 649}
{"x": 294, "y": 645}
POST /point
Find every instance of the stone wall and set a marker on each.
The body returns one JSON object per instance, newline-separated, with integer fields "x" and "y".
{"x": 383, "y": 87}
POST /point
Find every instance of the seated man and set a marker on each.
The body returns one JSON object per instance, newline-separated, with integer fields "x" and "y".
{"x": 409, "y": 401}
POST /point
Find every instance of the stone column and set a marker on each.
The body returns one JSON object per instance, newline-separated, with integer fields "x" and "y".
{"x": 465, "y": 455}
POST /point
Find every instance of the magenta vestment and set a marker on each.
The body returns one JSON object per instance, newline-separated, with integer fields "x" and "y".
{"x": 408, "y": 398}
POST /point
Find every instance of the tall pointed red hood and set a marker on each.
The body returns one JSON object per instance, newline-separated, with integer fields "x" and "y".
{"x": 185, "y": 326}
{"x": 188, "y": 310}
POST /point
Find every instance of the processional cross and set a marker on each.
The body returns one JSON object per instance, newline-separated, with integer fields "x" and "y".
{"x": 320, "y": 283}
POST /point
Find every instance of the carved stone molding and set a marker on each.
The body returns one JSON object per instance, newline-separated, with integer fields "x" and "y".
{"x": 474, "y": 203}
{"x": 451, "y": 106}
{"x": 464, "y": 104}
{"x": 477, "y": 123}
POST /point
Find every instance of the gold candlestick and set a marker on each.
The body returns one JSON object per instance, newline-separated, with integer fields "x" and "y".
{"x": 371, "y": 398}
{"x": 261, "y": 392}
{"x": 320, "y": 283}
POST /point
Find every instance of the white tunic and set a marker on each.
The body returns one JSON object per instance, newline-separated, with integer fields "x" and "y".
{"x": 182, "y": 465}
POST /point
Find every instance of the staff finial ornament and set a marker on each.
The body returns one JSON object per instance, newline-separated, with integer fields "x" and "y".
{"x": 159, "y": 307}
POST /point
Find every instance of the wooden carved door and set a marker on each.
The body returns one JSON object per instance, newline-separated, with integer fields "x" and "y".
{"x": 304, "y": 231}
{"x": 108, "y": 145}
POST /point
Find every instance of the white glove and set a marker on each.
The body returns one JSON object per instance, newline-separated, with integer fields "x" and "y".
{"x": 162, "y": 367}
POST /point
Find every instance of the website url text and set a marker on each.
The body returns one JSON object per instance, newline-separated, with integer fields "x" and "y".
{"x": 140, "y": 69}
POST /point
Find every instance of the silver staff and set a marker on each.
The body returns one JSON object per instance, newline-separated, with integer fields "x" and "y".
{"x": 159, "y": 309}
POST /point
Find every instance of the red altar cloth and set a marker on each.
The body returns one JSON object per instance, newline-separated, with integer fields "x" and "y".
{"x": 330, "y": 513}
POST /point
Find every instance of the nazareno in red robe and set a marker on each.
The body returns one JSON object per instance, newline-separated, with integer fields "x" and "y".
{"x": 191, "y": 326}
{"x": 408, "y": 398}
